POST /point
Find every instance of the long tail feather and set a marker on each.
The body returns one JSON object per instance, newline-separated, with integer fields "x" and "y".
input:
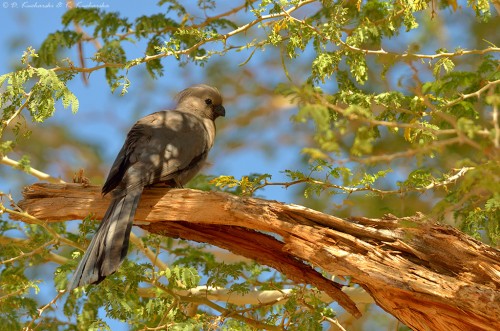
{"x": 109, "y": 246}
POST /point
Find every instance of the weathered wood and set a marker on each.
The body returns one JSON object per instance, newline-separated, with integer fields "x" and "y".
{"x": 429, "y": 276}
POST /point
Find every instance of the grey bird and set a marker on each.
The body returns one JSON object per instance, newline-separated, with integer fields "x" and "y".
{"x": 164, "y": 147}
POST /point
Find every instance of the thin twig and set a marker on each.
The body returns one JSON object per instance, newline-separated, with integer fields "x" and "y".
{"x": 335, "y": 322}
{"x": 152, "y": 256}
{"x": 436, "y": 184}
{"x": 91, "y": 69}
{"x": 473, "y": 94}
{"x": 32, "y": 171}
{"x": 423, "y": 56}
{"x": 405, "y": 154}
{"x": 17, "y": 112}
{"x": 226, "y": 313}
{"x": 42, "y": 309}
{"x": 284, "y": 13}
{"x": 70, "y": 4}
{"x": 375, "y": 122}
{"x": 33, "y": 220}
{"x": 33, "y": 252}
{"x": 8, "y": 295}
{"x": 191, "y": 49}
{"x": 199, "y": 26}
{"x": 398, "y": 55}
{"x": 226, "y": 36}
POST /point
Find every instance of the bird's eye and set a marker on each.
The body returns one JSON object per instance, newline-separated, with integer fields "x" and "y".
{"x": 208, "y": 101}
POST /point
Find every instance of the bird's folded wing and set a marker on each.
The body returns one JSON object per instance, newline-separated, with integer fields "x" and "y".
{"x": 158, "y": 147}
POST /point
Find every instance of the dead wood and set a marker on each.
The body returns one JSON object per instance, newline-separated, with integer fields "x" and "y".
{"x": 429, "y": 276}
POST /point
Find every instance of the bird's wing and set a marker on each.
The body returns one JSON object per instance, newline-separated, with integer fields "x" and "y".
{"x": 159, "y": 147}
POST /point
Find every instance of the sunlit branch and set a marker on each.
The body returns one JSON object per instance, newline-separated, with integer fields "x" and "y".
{"x": 191, "y": 49}
{"x": 394, "y": 54}
{"x": 243, "y": 28}
{"x": 203, "y": 24}
{"x": 32, "y": 171}
{"x": 159, "y": 327}
{"x": 422, "y": 56}
{"x": 226, "y": 36}
{"x": 91, "y": 69}
{"x": 335, "y": 322}
{"x": 496, "y": 4}
{"x": 349, "y": 189}
{"x": 255, "y": 297}
{"x": 217, "y": 294}
{"x": 225, "y": 312}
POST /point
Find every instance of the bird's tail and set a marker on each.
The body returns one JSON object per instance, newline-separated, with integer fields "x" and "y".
{"x": 109, "y": 246}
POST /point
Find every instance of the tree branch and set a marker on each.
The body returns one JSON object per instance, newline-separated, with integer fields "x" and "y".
{"x": 255, "y": 297}
{"x": 16, "y": 113}
{"x": 222, "y": 38}
{"x": 475, "y": 94}
{"x": 32, "y": 171}
{"x": 427, "y": 275}
{"x": 458, "y": 173}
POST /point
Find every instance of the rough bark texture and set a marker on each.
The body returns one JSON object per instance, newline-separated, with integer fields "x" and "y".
{"x": 429, "y": 276}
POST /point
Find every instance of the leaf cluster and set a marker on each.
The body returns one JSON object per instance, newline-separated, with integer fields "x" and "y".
{"x": 35, "y": 89}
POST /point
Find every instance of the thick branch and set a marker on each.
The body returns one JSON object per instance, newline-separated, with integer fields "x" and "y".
{"x": 427, "y": 275}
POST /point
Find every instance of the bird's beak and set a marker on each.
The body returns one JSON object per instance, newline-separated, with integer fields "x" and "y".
{"x": 220, "y": 110}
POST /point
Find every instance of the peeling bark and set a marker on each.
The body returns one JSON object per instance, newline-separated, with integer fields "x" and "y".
{"x": 429, "y": 276}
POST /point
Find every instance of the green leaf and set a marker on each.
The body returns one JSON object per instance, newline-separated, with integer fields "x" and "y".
{"x": 109, "y": 24}
{"x": 48, "y": 52}
{"x": 443, "y": 63}
{"x": 481, "y": 7}
{"x": 6, "y": 147}
{"x": 183, "y": 278}
{"x": 82, "y": 16}
{"x": 324, "y": 65}
{"x": 99, "y": 325}
{"x": 24, "y": 163}
{"x": 493, "y": 204}
{"x": 418, "y": 178}
{"x": 154, "y": 67}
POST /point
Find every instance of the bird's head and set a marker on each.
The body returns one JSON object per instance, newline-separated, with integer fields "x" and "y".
{"x": 202, "y": 100}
